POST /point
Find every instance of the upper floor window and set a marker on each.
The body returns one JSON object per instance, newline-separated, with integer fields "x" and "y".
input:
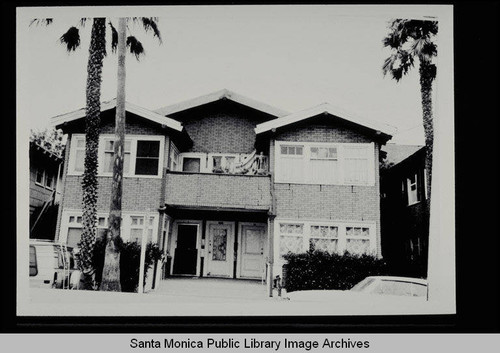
{"x": 415, "y": 186}
{"x": 142, "y": 155}
{"x": 174, "y": 157}
{"x": 44, "y": 179}
{"x": 147, "y": 157}
{"x": 325, "y": 163}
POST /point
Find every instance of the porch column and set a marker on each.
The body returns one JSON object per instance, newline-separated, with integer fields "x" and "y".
{"x": 270, "y": 247}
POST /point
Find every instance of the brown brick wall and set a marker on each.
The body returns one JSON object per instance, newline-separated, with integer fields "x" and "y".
{"x": 322, "y": 133}
{"x": 218, "y": 190}
{"x": 139, "y": 194}
{"x": 222, "y": 133}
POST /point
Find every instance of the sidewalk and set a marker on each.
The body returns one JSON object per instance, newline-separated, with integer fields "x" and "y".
{"x": 212, "y": 289}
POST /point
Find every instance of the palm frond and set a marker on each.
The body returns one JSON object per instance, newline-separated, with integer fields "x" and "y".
{"x": 39, "y": 21}
{"x": 150, "y": 23}
{"x": 398, "y": 64}
{"x": 83, "y": 21}
{"x": 114, "y": 37}
{"x": 71, "y": 39}
{"x": 135, "y": 46}
{"x": 389, "y": 64}
{"x": 392, "y": 40}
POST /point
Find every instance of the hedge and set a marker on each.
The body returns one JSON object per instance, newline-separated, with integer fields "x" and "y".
{"x": 318, "y": 269}
{"x": 130, "y": 254}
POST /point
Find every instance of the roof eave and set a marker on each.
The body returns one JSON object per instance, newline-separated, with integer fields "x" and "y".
{"x": 60, "y": 120}
{"x": 385, "y": 131}
{"x": 220, "y": 95}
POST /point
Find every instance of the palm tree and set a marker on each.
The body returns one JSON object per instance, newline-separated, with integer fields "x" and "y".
{"x": 97, "y": 52}
{"x": 410, "y": 40}
{"x": 111, "y": 271}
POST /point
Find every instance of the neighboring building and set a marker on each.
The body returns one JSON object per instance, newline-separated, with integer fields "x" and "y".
{"x": 226, "y": 185}
{"x": 45, "y": 176}
{"x": 405, "y": 216}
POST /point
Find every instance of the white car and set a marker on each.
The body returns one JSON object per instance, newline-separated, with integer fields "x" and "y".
{"x": 51, "y": 264}
{"x": 372, "y": 288}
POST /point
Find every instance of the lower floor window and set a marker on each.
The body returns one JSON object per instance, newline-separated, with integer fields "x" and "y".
{"x": 132, "y": 228}
{"x": 332, "y": 238}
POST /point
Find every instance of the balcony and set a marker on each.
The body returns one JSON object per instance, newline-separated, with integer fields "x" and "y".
{"x": 218, "y": 191}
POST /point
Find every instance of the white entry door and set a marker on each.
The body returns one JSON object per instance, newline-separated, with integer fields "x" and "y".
{"x": 220, "y": 249}
{"x": 253, "y": 246}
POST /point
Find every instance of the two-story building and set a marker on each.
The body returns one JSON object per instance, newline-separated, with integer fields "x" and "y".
{"x": 405, "y": 212}
{"x": 227, "y": 185}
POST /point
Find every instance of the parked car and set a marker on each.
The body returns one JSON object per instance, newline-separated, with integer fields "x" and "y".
{"x": 52, "y": 265}
{"x": 373, "y": 287}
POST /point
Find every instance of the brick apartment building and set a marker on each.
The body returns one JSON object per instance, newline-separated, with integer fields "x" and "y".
{"x": 226, "y": 185}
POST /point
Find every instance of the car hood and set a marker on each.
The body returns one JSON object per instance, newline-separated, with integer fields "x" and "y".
{"x": 340, "y": 296}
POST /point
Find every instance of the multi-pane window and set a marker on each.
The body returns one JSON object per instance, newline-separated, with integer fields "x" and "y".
{"x": 147, "y": 157}
{"x": 358, "y": 240}
{"x": 223, "y": 163}
{"x": 39, "y": 176}
{"x": 291, "y": 238}
{"x": 109, "y": 153}
{"x": 332, "y": 238}
{"x": 324, "y": 238}
{"x": 411, "y": 184}
{"x": 142, "y": 155}
{"x": 324, "y": 153}
{"x": 44, "y": 178}
{"x": 137, "y": 228}
{"x": 75, "y": 229}
{"x": 79, "y": 153}
{"x": 294, "y": 150}
{"x": 355, "y": 164}
{"x": 325, "y": 163}
{"x": 174, "y": 158}
{"x": 48, "y": 180}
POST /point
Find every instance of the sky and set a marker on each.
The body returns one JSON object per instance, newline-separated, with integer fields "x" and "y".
{"x": 290, "y": 57}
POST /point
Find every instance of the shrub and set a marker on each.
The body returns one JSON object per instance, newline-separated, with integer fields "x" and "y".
{"x": 130, "y": 255}
{"x": 321, "y": 270}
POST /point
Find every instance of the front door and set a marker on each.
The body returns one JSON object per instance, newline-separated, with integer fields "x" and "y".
{"x": 220, "y": 249}
{"x": 186, "y": 253}
{"x": 253, "y": 238}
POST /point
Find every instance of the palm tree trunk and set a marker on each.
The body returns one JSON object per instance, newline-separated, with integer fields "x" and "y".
{"x": 426, "y": 91}
{"x": 97, "y": 51}
{"x": 111, "y": 271}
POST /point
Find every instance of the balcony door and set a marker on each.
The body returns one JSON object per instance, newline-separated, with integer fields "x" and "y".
{"x": 220, "y": 249}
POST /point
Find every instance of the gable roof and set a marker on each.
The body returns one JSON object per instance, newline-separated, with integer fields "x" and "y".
{"x": 398, "y": 153}
{"x": 320, "y": 109}
{"x": 219, "y": 95}
{"x": 129, "y": 107}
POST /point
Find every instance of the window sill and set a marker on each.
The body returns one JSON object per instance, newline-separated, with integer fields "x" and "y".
{"x": 124, "y": 177}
